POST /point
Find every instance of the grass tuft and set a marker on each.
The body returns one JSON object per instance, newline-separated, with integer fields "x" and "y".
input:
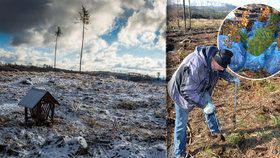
{"x": 234, "y": 138}
{"x": 276, "y": 121}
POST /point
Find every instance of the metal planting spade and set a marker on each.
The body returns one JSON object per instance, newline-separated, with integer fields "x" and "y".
{"x": 235, "y": 98}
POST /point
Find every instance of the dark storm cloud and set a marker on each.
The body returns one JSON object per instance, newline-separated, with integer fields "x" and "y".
{"x": 17, "y": 16}
{"x": 29, "y": 20}
{"x": 23, "y": 18}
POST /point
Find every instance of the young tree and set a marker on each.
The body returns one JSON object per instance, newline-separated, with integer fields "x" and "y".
{"x": 158, "y": 75}
{"x": 58, "y": 33}
{"x": 84, "y": 18}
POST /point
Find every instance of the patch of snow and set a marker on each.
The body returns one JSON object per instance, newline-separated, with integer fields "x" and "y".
{"x": 6, "y": 108}
{"x": 94, "y": 118}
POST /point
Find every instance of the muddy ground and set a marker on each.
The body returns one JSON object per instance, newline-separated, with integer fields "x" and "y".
{"x": 258, "y": 108}
{"x": 97, "y": 117}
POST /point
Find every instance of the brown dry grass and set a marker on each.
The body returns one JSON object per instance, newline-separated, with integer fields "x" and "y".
{"x": 92, "y": 122}
{"x": 3, "y": 120}
{"x": 196, "y": 23}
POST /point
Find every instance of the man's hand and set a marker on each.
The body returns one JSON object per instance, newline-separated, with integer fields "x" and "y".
{"x": 209, "y": 108}
{"x": 235, "y": 80}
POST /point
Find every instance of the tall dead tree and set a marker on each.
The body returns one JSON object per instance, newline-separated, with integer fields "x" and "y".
{"x": 184, "y": 4}
{"x": 178, "y": 13}
{"x": 58, "y": 33}
{"x": 84, "y": 18}
{"x": 190, "y": 22}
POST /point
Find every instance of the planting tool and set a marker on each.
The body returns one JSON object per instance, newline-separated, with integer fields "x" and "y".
{"x": 235, "y": 98}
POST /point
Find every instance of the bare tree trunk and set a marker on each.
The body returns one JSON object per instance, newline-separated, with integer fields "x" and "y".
{"x": 178, "y": 14}
{"x": 81, "y": 55}
{"x": 203, "y": 8}
{"x": 213, "y": 16}
{"x": 190, "y": 22}
{"x": 185, "y": 16}
{"x": 54, "y": 64}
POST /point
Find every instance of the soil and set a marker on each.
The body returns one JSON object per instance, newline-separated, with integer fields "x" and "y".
{"x": 257, "y": 132}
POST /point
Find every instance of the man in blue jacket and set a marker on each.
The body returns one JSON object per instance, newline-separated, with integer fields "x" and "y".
{"x": 192, "y": 85}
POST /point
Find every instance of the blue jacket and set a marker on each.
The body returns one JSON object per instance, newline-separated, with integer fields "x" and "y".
{"x": 194, "y": 80}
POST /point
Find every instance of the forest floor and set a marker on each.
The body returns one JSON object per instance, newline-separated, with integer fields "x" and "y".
{"x": 257, "y": 133}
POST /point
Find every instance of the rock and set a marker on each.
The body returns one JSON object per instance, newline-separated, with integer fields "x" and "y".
{"x": 274, "y": 152}
{"x": 26, "y": 82}
{"x": 51, "y": 82}
{"x": 160, "y": 149}
{"x": 79, "y": 144}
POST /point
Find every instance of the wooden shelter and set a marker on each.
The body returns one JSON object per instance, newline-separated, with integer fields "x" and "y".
{"x": 39, "y": 104}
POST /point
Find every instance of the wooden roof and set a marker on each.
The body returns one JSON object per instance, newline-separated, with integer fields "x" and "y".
{"x": 34, "y": 96}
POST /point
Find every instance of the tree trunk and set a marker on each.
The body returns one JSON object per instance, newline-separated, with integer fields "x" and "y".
{"x": 190, "y": 23}
{"x": 81, "y": 55}
{"x": 185, "y": 15}
{"x": 54, "y": 64}
{"x": 178, "y": 15}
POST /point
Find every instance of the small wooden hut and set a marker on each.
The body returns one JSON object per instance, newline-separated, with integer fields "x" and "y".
{"x": 39, "y": 104}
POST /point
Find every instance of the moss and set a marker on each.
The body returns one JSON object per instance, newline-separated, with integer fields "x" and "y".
{"x": 269, "y": 86}
{"x": 260, "y": 119}
{"x": 208, "y": 151}
{"x": 264, "y": 135}
{"x": 272, "y": 87}
{"x": 234, "y": 138}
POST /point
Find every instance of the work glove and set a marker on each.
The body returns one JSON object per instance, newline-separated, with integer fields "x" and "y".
{"x": 235, "y": 80}
{"x": 209, "y": 108}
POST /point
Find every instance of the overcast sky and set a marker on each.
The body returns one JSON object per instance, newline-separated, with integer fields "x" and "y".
{"x": 123, "y": 35}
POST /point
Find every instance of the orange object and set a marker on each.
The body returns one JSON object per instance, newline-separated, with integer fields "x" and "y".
{"x": 265, "y": 12}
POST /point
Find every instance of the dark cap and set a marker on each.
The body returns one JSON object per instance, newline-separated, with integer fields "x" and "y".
{"x": 223, "y": 57}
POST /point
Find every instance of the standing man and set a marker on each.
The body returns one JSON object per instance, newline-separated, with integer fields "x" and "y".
{"x": 192, "y": 85}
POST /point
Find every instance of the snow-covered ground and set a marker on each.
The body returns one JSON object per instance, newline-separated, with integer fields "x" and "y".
{"x": 97, "y": 117}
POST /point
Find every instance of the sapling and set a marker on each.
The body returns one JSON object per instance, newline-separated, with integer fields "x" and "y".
{"x": 262, "y": 39}
{"x": 274, "y": 19}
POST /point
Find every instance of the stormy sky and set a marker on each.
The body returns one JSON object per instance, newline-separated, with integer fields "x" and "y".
{"x": 123, "y": 35}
